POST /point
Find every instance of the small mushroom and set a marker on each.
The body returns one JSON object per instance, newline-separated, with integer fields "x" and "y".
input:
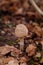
{"x": 21, "y": 31}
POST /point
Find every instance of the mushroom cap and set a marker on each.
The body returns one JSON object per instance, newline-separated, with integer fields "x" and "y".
{"x": 21, "y": 30}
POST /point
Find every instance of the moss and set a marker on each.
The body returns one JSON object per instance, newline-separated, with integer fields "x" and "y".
{"x": 39, "y": 58}
{"x": 31, "y": 62}
{"x": 10, "y": 42}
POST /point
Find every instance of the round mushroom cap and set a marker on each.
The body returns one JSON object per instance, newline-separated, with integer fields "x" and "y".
{"x": 21, "y": 30}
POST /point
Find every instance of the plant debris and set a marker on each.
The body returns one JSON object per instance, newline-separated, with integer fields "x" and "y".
{"x": 21, "y": 32}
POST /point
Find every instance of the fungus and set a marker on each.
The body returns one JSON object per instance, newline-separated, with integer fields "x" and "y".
{"x": 21, "y": 31}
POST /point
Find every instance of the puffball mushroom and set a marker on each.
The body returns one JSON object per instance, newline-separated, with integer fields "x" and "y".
{"x": 21, "y": 31}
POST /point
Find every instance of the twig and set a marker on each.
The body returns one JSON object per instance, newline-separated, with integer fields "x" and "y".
{"x": 36, "y": 7}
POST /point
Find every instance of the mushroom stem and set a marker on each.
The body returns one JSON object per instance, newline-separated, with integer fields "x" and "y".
{"x": 21, "y": 42}
{"x": 36, "y": 7}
